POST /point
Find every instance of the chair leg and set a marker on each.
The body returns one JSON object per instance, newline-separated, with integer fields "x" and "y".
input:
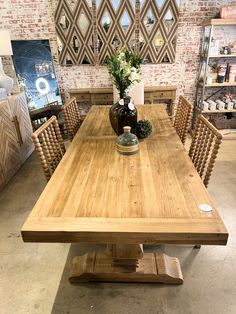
{"x": 197, "y": 246}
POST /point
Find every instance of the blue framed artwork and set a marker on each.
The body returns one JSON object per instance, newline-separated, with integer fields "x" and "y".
{"x": 35, "y": 72}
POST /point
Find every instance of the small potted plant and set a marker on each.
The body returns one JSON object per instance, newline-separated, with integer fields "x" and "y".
{"x": 144, "y": 128}
{"x": 125, "y": 70}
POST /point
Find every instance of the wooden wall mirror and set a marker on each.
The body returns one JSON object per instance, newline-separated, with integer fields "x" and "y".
{"x": 89, "y": 31}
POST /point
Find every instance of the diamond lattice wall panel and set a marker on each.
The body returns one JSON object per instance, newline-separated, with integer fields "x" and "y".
{"x": 90, "y": 31}
{"x": 74, "y": 26}
{"x": 158, "y": 30}
{"x": 116, "y": 26}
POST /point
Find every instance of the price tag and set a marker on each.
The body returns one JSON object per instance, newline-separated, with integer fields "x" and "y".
{"x": 121, "y": 102}
{"x": 131, "y": 106}
{"x": 205, "y": 208}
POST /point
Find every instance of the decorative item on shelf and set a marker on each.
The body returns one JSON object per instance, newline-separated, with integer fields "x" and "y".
{"x": 125, "y": 69}
{"x": 209, "y": 80}
{"x": 233, "y": 47}
{"x": 228, "y": 97}
{"x": 212, "y": 73}
{"x": 205, "y": 105}
{"x": 5, "y": 50}
{"x": 144, "y": 128}
{"x": 227, "y": 72}
{"x": 228, "y": 100}
{"x": 229, "y": 105}
{"x": 127, "y": 143}
{"x": 214, "y": 46}
{"x": 221, "y": 72}
{"x": 232, "y": 73}
{"x": 225, "y": 50}
{"x": 212, "y": 104}
{"x": 228, "y": 12}
{"x": 220, "y": 105}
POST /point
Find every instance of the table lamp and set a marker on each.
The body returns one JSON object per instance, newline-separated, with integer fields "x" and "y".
{"x": 5, "y": 50}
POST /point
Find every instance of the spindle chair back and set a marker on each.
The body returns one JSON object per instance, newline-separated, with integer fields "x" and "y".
{"x": 72, "y": 117}
{"x": 183, "y": 118}
{"x": 204, "y": 148}
{"x": 49, "y": 146}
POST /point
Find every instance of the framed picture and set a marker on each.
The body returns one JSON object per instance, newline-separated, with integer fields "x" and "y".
{"x": 35, "y": 72}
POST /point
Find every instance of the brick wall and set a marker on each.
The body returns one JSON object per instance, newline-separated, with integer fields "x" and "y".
{"x": 33, "y": 19}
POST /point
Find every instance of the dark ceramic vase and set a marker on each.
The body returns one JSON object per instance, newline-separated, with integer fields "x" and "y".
{"x": 113, "y": 115}
{"x": 127, "y": 116}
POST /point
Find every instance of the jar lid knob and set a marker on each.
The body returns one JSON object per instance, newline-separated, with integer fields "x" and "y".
{"x": 127, "y": 129}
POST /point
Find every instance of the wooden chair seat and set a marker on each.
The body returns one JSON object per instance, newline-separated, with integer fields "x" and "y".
{"x": 183, "y": 118}
{"x": 72, "y": 117}
{"x": 49, "y": 145}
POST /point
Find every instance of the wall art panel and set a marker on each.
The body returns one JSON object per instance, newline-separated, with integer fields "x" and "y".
{"x": 89, "y": 31}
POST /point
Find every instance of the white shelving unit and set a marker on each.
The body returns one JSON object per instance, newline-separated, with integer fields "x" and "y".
{"x": 202, "y": 85}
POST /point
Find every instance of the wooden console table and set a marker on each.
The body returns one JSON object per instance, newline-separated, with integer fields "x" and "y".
{"x": 98, "y": 196}
{"x": 104, "y": 96}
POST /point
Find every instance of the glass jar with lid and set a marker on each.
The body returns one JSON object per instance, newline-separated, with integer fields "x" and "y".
{"x": 127, "y": 143}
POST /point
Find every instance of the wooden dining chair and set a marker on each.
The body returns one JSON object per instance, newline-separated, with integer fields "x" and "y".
{"x": 183, "y": 118}
{"x": 204, "y": 148}
{"x": 49, "y": 145}
{"x": 72, "y": 118}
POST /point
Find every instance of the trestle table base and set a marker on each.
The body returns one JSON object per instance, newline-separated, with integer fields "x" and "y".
{"x": 102, "y": 266}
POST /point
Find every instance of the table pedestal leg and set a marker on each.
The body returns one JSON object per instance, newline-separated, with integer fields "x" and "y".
{"x": 126, "y": 263}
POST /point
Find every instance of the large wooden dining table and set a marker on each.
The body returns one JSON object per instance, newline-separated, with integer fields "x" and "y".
{"x": 99, "y": 196}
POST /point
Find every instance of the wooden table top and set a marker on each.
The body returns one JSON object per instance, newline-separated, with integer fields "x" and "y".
{"x": 99, "y": 196}
{"x": 97, "y": 124}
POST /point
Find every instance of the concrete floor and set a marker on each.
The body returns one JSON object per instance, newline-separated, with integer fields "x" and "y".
{"x": 33, "y": 277}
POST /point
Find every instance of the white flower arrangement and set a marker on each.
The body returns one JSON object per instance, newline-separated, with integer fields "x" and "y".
{"x": 125, "y": 69}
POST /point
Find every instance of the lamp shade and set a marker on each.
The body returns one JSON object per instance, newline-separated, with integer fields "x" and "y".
{"x": 5, "y": 43}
